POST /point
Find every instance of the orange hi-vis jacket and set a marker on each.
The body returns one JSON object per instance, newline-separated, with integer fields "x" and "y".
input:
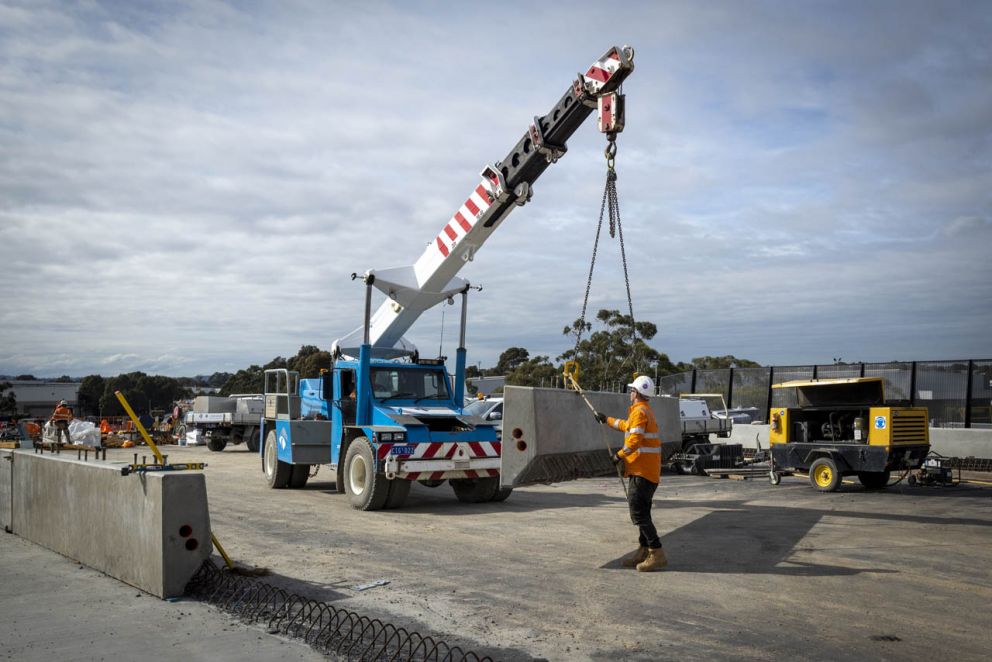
{"x": 642, "y": 444}
{"x": 62, "y": 414}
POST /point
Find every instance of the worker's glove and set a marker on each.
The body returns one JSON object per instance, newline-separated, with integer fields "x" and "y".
{"x": 617, "y": 459}
{"x": 601, "y": 417}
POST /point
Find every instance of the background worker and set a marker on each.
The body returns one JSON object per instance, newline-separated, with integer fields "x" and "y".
{"x": 60, "y": 419}
{"x": 641, "y": 460}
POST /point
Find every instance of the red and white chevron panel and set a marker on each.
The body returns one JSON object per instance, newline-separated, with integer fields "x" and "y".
{"x": 461, "y": 450}
{"x": 473, "y": 209}
{"x": 447, "y": 475}
{"x": 445, "y": 450}
{"x": 602, "y": 71}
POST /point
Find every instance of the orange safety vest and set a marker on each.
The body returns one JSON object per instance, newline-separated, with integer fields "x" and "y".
{"x": 62, "y": 414}
{"x": 642, "y": 444}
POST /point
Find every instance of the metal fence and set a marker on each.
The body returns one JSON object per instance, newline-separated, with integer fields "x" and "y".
{"x": 957, "y": 394}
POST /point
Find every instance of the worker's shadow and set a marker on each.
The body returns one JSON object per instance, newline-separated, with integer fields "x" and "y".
{"x": 757, "y": 539}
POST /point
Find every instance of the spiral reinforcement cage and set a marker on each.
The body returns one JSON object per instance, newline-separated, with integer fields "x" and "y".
{"x": 329, "y": 630}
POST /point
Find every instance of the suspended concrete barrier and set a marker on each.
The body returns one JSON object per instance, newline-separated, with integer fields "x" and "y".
{"x": 150, "y": 530}
{"x": 550, "y": 435}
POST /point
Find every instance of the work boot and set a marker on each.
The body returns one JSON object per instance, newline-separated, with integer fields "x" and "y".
{"x": 635, "y": 558}
{"x": 656, "y": 560}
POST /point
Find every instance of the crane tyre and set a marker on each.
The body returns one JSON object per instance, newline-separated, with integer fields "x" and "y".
{"x": 475, "y": 490}
{"x": 299, "y": 475}
{"x": 367, "y": 488}
{"x": 399, "y": 489}
{"x": 277, "y": 472}
{"x": 502, "y": 494}
{"x": 823, "y": 475}
{"x": 251, "y": 441}
{"x": 874, "y": 480}
{"x": 217, "y": 444}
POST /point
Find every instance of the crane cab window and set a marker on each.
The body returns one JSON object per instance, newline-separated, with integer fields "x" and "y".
{"x": 409, "y": 384}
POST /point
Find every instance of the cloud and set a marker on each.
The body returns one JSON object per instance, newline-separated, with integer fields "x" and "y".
{"x": 187, "y": 188}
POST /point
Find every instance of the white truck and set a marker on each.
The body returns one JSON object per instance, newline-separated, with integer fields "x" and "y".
{"x": 225, "y": 420}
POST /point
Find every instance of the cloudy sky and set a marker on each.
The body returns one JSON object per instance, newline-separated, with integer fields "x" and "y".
{"x": 186, "y": 187}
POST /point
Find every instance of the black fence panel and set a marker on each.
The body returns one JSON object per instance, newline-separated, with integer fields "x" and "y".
{"x": 955, "y": 393}
{"x": 750, "y": 393}
{"x": 786, "y": 397}
{"x": 675, "y": 384}
{"x": 981, "y": 394}
{"x": 713, "y": 381}
{"x": 838, "y": 371}
{"x": 897, "y": 380}
{"x": 942, "y": 387}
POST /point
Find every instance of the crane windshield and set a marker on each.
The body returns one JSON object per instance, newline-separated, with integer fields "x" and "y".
{"x": 403, "y": 383}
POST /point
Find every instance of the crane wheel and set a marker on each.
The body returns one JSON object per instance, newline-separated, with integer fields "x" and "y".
{"x": 874, "y": 480}
{"x": 367, "y": 488}
{"x": 502, "y": 494}
{"x": 399, "y": 489}
{"x": 823, "y": 475}
{"x": 299, "y": 475}
{"x": 277, "y": 472}
{"x": 475, "y": 490}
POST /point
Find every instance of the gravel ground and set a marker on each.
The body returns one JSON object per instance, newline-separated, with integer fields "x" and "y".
{"x": 756, "y": 571}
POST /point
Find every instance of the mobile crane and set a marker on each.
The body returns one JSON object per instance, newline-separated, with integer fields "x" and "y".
{"x": 382, "y": 416}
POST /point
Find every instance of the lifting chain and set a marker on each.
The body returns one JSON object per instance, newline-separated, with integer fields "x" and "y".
{"x": 610, "y": 208}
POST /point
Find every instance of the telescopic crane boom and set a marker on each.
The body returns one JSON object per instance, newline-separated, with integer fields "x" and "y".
{"x": 505, "y": 185}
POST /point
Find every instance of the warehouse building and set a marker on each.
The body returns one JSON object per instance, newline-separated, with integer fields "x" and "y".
{"x": 37, "y": 398}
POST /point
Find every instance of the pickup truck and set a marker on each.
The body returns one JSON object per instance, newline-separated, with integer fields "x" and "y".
{"x": 226, "y": 420}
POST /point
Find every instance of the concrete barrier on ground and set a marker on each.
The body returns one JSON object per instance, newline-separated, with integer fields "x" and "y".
{"x": 149, "y": 530}
{"x": 550, "y": 435}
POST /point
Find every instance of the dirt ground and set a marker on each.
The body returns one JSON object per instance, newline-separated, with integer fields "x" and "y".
{"x": 756, "y": 571}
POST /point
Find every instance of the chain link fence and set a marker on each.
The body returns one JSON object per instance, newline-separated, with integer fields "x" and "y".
{"x": 957, "y": 394}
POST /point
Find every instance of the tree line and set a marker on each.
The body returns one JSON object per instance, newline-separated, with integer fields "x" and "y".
{"x": 610, "y": 354}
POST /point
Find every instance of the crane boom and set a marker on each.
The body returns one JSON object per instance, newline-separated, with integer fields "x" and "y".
{"x": 505, "y": 185}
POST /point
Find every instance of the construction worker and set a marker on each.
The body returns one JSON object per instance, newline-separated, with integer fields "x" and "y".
{"x": 640, "y": 458}
{"x": 60, "y": 419}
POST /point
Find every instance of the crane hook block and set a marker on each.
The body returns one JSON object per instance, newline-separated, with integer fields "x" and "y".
{"x": 611, "y": 112}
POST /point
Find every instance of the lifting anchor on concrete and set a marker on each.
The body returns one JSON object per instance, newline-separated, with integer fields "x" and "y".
{"x": 571, "y": 375}
{"x": 161, "y": 463}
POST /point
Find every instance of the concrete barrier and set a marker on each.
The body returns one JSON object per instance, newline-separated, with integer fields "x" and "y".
{"x": 149, "y": 530}
{"x": 549, "y": 435}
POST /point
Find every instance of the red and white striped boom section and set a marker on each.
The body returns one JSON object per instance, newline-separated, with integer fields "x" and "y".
{"x": 505, "y": 185}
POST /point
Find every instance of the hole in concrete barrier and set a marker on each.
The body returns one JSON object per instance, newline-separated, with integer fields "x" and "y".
{"x": 517, "y": 433}
{"x": 185, "y": 530}
{"x": 192, "y": 544}
{"x": 521, "y": 445}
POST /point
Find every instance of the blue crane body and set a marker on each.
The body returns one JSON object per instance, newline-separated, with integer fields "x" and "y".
{"x": 381, "y": 416}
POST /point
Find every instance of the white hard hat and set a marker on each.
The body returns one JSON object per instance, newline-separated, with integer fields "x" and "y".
{"x": 643, "y": 385}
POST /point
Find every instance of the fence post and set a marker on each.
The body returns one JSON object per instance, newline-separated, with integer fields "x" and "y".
{"x": 692, "y": 386}
{"x": 862, "y": 370}
{"x": 771, "y": 380}
{"x": 967, "y": 395}
{"x": 814, "y": 370}
{"x": 730, "y": 389}
{"x": 912, "y": 386}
